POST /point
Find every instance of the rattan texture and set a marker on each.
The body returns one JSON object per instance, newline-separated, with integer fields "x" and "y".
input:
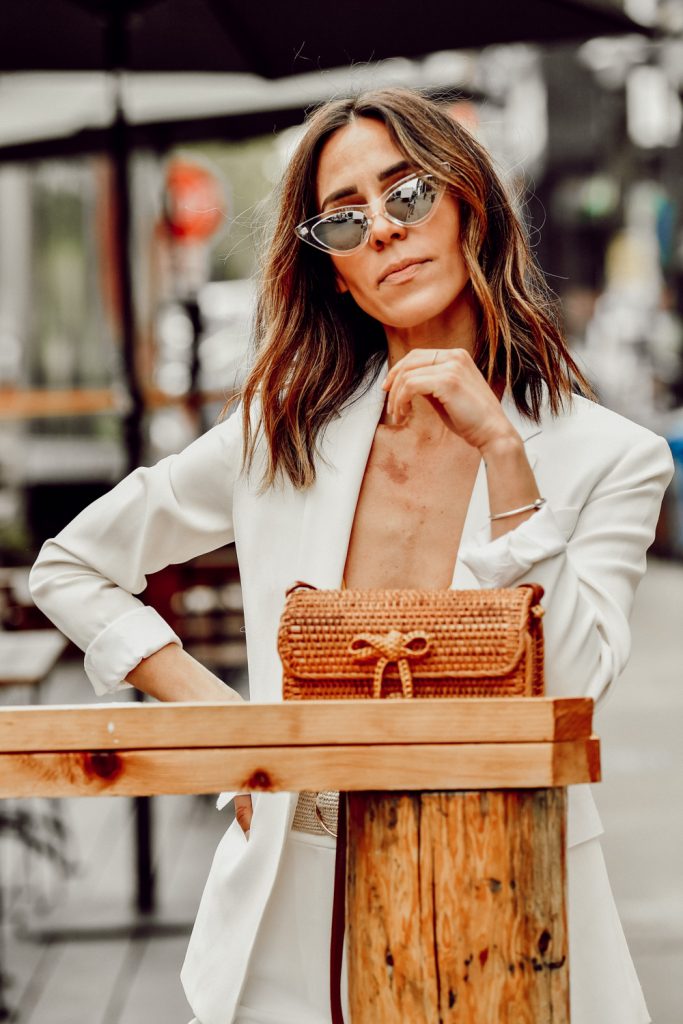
{"x": 339, "y": 644}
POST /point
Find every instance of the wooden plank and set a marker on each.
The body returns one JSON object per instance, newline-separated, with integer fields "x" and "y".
{"x": 154, "y": 993}
{"x": 43, "y": 403}
{"x": 81, "y": 985}
{"x": 29, "y": 403}
{"x": 27, "y": 655}
{"x": 43, "y": 969}
{"x": 133, "y": 726}
{"x": 456, "y": 908}
{"x": 99, "y": 894}
{"x": 27, "y": 967}
{"x": 408, "y": 766}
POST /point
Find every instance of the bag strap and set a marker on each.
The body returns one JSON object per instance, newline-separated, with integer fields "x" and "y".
{"x": 338, "y": 915}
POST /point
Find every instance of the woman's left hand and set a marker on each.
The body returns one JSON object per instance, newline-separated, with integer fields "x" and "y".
{"x": 449, "y": 379}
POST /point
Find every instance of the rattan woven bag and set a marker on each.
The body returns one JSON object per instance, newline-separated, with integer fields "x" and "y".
{"x": 337, "y": 644}
{"x": 407, "y": 644}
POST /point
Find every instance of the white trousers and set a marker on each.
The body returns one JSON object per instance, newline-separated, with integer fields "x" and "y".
{"x": 288, "y": 979}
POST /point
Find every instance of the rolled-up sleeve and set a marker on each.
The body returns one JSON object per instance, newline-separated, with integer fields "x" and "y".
{"x": 85, "y": 579}
{"x": 589, "y": 560}
{"x": 500, "y": 562}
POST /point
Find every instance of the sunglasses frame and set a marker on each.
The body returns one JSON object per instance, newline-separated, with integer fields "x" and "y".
{"x": 304, "y": 230}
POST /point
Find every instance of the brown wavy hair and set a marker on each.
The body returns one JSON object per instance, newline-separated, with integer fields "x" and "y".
{"x": 315, "y": 347}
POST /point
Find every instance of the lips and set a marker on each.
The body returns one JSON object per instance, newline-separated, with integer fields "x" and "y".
{"x": 400, "y": 265}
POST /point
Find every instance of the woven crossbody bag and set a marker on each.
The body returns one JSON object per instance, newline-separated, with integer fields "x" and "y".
{"x": 406, "y": 644}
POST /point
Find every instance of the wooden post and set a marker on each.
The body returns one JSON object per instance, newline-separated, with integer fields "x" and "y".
{"x": 455, "y": 906}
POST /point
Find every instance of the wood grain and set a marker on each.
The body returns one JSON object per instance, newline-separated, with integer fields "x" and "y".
{"x": 456, "y": 908}
{"x": 104, "y": 727}
{"x": 292, "y": 768}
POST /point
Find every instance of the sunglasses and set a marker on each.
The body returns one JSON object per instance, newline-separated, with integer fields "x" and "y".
{"x": 346, "y": 228}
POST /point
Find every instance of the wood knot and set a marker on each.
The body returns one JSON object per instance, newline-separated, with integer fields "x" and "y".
{"x": 260, "y": 779}
{"x": 103, "y": 764}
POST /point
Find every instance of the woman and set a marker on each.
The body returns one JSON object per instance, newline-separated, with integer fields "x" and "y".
{"x": 409, "y": 422}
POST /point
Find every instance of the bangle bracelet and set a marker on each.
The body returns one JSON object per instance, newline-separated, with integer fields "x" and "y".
{"x": 533, "y": 507}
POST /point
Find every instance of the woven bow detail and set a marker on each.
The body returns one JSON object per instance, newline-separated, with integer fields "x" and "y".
{"x": 387, "y": 648}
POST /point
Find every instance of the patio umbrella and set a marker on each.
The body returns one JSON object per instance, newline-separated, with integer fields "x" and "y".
{"x": 273, "y": 38}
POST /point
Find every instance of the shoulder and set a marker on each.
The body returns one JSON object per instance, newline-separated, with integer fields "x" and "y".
{"x": 599, "y": 433}
{"x": 222, "y": 439}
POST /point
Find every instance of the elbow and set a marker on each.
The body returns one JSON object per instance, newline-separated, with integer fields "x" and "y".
{"x": 40, "y": 576}
{"x": 51, "y": 570}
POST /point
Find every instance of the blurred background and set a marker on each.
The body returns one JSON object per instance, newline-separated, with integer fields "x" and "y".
{"x": 140, "y": 143}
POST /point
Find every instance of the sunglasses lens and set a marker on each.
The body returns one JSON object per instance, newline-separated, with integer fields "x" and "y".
{"x": 412, "y": 200}
{"x": 341, "y": 231}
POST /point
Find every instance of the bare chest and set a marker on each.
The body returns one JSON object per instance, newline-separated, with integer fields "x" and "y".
{"x": 410, "y": 512}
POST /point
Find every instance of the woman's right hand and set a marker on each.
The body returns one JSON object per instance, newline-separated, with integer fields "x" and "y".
{"x": 243, "y": 811}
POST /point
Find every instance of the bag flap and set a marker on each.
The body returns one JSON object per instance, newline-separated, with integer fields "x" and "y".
{"x": 341, "y": 634}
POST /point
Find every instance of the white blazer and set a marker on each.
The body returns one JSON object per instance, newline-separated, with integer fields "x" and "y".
{"x": 603, "y": 477}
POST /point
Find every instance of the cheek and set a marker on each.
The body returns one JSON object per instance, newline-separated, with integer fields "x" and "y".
{"x": 352, "y": 275}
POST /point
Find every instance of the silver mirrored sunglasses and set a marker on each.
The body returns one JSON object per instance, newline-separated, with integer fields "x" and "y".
{"x": 346, "y": 228}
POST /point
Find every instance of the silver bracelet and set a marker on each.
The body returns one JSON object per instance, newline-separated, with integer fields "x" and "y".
{"x": 534, "y": 507}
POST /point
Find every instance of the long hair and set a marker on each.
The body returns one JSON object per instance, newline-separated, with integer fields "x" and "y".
{"x": 315, "y": 346}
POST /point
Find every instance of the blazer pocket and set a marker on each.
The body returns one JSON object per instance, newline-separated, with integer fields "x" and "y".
{"x": 566, "y": 519}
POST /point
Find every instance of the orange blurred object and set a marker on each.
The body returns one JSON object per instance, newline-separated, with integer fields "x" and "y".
{"x": 195, "y": 203}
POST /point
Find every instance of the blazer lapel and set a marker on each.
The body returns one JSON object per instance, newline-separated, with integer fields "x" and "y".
{"x": 330, "y": 503}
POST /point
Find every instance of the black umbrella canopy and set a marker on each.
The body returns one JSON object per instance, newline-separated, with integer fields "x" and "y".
{"x": 273, "y": 38}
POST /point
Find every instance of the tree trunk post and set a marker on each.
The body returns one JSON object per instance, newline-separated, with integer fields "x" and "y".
{"x": 456, "y": 907}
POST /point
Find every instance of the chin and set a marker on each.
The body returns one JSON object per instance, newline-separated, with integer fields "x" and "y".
{"x": 412, "y": 310}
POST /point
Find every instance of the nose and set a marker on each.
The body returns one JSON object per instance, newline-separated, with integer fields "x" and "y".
{"x": 383, "y": 231}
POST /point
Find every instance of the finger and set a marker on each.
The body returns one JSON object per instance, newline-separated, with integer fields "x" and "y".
{"x": 426, "y": 357}
{"x": 425, "y": 382}
{"x": 429, "y": 373}
{"x": 244, "y": 811}
{"x": 413, "y": 359}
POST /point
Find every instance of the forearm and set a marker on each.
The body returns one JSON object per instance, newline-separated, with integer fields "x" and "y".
{"x": 511, "y": 482}
{"x": 171, "y": 674}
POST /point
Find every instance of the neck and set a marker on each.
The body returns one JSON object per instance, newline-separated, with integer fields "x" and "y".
{"x": 455, "y": 327}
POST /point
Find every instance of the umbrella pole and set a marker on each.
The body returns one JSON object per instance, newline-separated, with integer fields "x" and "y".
{"x": 132, "y": 432}
{"x": 133, "y": 420}
{"x": 132, "y": 423}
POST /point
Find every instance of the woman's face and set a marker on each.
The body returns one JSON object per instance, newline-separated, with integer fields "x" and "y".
{"x": 362, "y": 160}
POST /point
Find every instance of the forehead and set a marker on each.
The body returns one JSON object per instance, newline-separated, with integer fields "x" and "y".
{"x": 355, "y": 155}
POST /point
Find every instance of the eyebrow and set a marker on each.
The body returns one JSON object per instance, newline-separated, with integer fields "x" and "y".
{"x": 351, "y": 190}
